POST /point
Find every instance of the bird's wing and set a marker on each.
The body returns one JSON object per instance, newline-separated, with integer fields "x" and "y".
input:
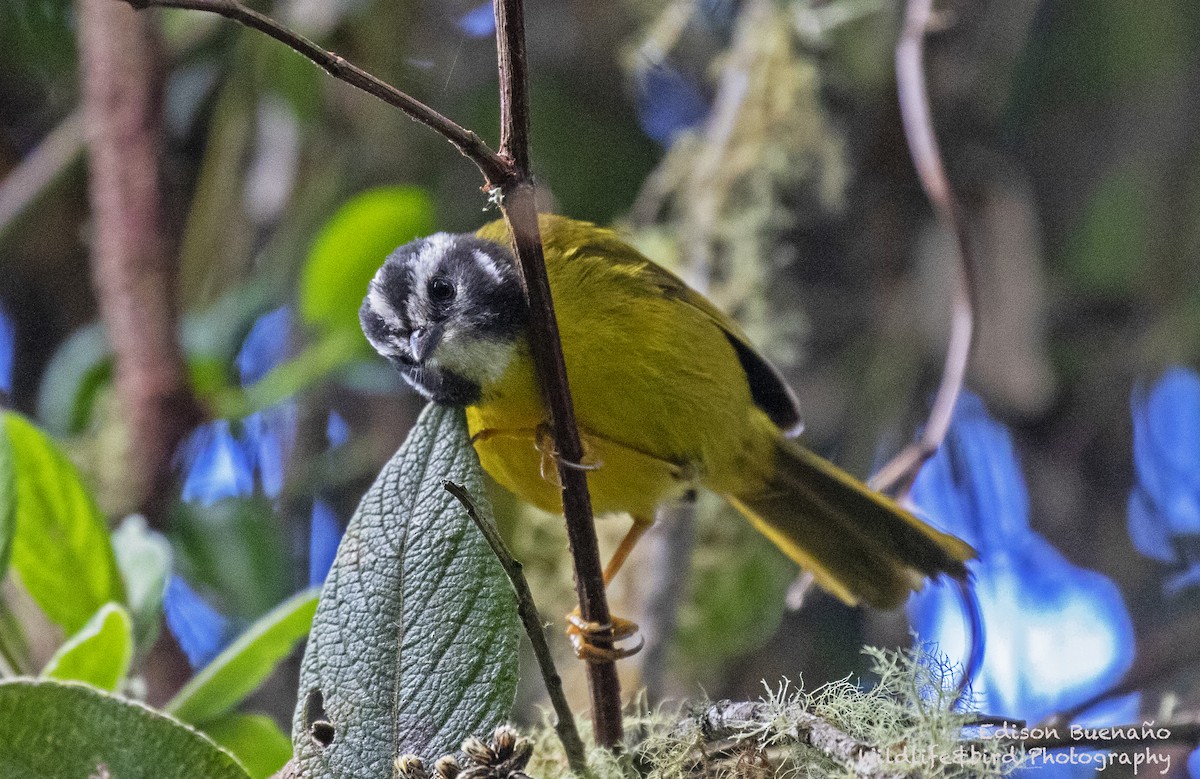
{"x": 570, "y": 239}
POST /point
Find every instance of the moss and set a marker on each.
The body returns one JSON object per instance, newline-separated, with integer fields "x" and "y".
{"x": 909, "y": 723}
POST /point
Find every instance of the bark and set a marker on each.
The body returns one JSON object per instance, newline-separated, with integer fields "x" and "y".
{"x": 134, "y": 277}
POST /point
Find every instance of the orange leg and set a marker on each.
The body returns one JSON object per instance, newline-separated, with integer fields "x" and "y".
{"x": 636, "y": 531}
{"x": 582, "y": 633}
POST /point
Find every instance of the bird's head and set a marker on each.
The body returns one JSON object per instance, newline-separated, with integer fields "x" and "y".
{"x": 447, "y": 312}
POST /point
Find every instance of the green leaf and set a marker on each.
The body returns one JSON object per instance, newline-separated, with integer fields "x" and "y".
{"x": 61, "y": 548}
{"x": 254, "y": 739}
{"x": 8, "y": 502}
{"x": 247, "y": 662}
{"x": 144, "y": 559}
{"x": 72, "y": 381}
{"x": 351, "y": 247}
{"x": 54, "y": 730}
{"x": 99, "y": 654}
{"x": 414, "y": 646}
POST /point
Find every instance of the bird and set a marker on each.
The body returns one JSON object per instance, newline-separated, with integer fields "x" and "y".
{"x": 669, "y": 394}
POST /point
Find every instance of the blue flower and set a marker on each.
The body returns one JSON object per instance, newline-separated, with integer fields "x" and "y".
{"x": 324, "y": 535}
{"x": 1059, "y": 633}
{"x": 668, "y": 102}
{"x": 1164, "y": 505}
{"x": 337, "y": 430}
{"x": 269, "y": 342}
{"x": 218, "y": 464}
{"x": 1193, "y": 765}
{"x": 479, "y": 22}
{"x": 200, "y": 630}
{"x": 7, "y": 349}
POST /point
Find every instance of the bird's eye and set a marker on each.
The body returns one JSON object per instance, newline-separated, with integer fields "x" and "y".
{"x": 441, "y": 290}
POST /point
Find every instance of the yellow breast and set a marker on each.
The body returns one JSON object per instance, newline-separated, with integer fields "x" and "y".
{"x": 661, "y": 399}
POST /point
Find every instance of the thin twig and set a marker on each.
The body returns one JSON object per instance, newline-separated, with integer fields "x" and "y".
{"x": 520, "y": 212}
{"x": 898, "y": 474}
{"x": 507, "y": 173}
{"x": 40, "y": 168}
{"x": 568, "y": 734}
{"x": 495, "y": 170}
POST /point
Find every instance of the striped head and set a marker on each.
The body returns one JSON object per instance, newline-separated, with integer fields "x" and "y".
{"x": 447, "y": 311}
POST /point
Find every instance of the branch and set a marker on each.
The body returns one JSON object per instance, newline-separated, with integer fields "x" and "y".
{"x": 898, "y": 474}
{"x": 733, "y": 719}
{"x": 568, "y": 734}
{"x": 520, "y": 212}
{"x": 131, "y": 268}
{"x": 495, "y": 170}
{"x": 509, "y": 173}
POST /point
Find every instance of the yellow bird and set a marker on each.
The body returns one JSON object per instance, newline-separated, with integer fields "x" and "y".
{"x": 669, "y": 393}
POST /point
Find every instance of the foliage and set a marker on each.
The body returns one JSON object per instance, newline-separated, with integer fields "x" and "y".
{"x": 906, "y": 720}
{"x": 417, "y": 611}
{"x": 99, "y": 654}
{"x": 55, "y": 730}
{"x": 57, "y": 528}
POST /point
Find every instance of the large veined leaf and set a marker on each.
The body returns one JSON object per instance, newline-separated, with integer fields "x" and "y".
{"x": 414, "y": 645}
{"x": 99, "y": 654}
{"x": 247, "y": 662}
{"x": 351, "y": 247}
{"x": 54, "y": 730}
{"x": 61, "y": 547}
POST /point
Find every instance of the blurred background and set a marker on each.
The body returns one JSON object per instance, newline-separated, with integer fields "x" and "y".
{"x": 756, "y": 148}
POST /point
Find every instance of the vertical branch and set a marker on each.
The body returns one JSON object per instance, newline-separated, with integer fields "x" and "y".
{"x": 133, "y": 277}
{"x": 520, "y": 211}
{"x": 898, "y": 474}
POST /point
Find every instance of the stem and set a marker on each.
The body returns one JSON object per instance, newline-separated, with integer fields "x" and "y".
{"x": 520, "y": 212}
{"x": 131, "y": 267}
{"x": 568, "y": 734}
{"x": 898, "y": 474}
{"x": 509, "y": 173}
{"x": 494, "y": 169}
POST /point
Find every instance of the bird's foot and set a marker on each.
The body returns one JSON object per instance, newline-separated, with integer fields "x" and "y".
{"x": 584, "y": 633}
{"x": 551, "y": 459}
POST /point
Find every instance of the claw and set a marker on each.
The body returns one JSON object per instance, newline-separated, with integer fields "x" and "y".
{"x": 545, "y": 445}
{"x": 582, "y": 632}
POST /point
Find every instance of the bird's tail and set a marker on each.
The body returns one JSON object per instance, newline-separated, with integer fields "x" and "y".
{"x": 858, "y": 544}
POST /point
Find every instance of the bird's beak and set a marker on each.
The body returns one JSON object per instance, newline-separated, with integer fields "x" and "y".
{"x": 423, "y": 341}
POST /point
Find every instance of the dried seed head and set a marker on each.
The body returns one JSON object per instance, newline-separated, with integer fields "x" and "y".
{"x": 446, "y": 767}
{"x": 522, "y": 751}
{"x": 481, "y": 753}
{"x": 410, "y": 767}
{"x": 503, "y": 741}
